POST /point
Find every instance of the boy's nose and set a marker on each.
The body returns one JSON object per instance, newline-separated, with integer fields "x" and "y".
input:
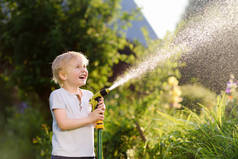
{"x": 85, "y": 70}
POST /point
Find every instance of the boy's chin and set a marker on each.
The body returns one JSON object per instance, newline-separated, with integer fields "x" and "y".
{"x": 82, "y": 83}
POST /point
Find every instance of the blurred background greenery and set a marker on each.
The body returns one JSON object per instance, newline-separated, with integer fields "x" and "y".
{"x": 141, "y": 121}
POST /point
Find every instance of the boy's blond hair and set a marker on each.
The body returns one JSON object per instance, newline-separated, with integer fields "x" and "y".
{"x": 61, "y": 61}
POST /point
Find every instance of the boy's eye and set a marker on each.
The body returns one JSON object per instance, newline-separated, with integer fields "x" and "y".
{"x": 84, "y": 66}
{"x": 81, "y": 66}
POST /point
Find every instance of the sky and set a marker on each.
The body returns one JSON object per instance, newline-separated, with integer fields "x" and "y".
{"x": 163, "y": 15}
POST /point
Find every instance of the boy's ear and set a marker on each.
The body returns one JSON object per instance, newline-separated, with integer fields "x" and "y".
{"x": 62, "y": 75}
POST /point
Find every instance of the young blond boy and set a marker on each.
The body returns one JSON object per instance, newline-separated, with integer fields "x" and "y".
{"x": 73, "y": 121}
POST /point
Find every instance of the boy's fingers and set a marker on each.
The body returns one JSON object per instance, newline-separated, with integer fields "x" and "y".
{"x": 100, "y": 102}
{"x": 102, "y": 106}
{"x": 99, "y": 111}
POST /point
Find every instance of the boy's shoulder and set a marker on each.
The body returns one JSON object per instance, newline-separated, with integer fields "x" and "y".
{"x": 57, "y": 92}
{"x": 85, "y": 91}
{"x": 61, "y": 91}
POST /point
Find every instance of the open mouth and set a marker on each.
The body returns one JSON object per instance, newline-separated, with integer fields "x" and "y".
{"x": 82, "y": 77}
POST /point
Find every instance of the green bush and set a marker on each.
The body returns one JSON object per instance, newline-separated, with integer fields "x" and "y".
{"x": 213, "y": 135}
{"x": 131, "y": 110}
{"x": 187, "y": 135}
{"x": 195, "y": 95}
{"x": 16, "y": 138}
{"x": 232, "y": 105}
{"x": 43, "y": 142}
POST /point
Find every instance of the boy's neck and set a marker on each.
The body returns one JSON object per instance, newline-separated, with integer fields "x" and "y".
{"x": 74, "y": 90}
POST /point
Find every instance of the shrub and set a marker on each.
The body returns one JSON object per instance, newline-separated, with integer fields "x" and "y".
{"x": 21, "y": 127}
{"x": 43, "y": 143}
{"x": 192, "y": 136}
{"x": 195, "y": 94}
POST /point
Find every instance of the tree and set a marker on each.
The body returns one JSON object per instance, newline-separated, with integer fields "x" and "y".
{"x": 34, "y": 32}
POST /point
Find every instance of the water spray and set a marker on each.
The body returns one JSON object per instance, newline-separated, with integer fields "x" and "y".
{"x": 150, "y": 63}
{"x": 201, "y": 31}
{"x": 197, "y": 34}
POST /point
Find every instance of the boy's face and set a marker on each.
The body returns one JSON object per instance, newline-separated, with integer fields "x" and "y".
{"x": 76, "y": 72}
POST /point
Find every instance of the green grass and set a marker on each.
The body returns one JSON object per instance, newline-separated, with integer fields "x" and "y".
{"x": 187, "y": 135}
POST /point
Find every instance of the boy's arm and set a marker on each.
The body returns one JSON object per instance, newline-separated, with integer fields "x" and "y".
{"x": 66, "y": 123}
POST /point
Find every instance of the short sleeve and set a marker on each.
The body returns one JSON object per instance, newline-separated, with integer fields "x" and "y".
{"x": 56, "y": 101}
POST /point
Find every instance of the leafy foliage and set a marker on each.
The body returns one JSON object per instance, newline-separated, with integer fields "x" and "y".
{"x": 137, "y": 125}
{"x": 43, "y": 142}
{"x": 210, "y": 136}
{"x": 132, "y": 107}
{"x": 195, "y": 94}
{"x": 16, "y": 138}
{"x": 35, "y": 32}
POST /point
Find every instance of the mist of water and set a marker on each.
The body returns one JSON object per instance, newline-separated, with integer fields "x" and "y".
{"x": 202, "y": 29}
{"x": 148, "y": 64}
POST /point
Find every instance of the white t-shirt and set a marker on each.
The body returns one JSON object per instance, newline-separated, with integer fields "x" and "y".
{"x": 72, "y": 143}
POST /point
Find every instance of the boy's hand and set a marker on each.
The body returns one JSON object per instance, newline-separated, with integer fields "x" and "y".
{"x": 101, "y": 104}
{"x": 98, "y": 114}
